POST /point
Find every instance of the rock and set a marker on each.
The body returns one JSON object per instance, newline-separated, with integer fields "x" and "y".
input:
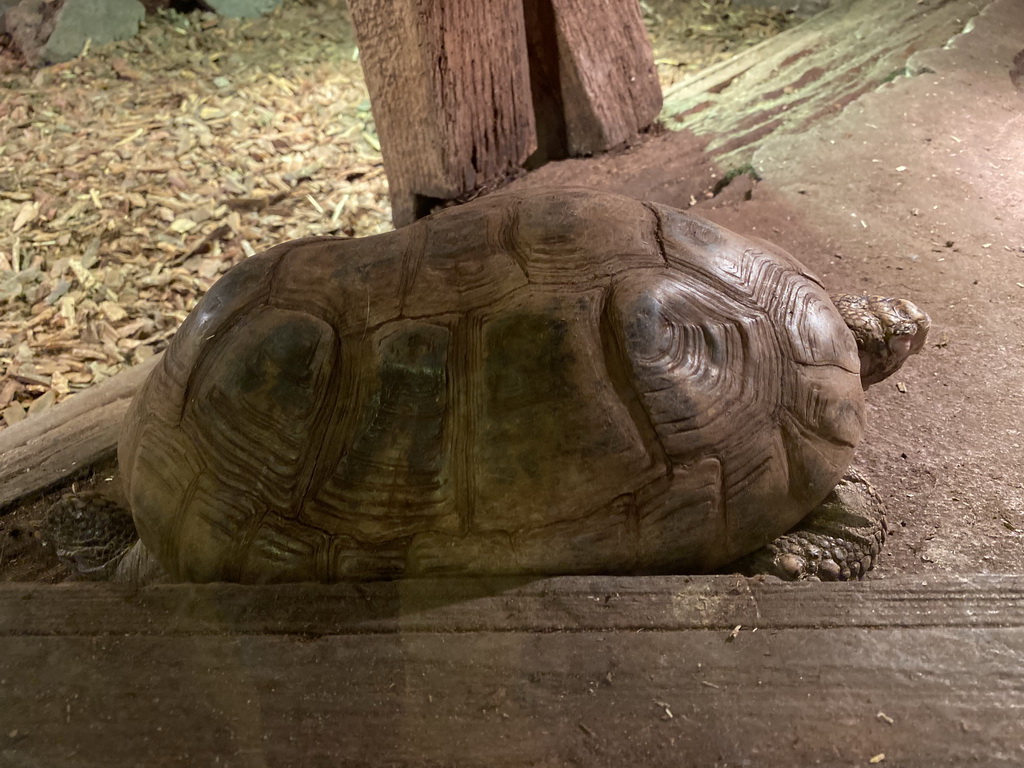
{"x": 240, "y": 9}
{"x": 48, "y": 33}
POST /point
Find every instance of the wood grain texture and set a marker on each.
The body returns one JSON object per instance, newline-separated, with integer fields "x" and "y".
{"x": 450, "y": 88}
{"x": 67, "y": 440}
{"x": 597, "y": 672}
{"x": 794, "y": 80}
{"x": 463, "y": 91}
{"x": 608, "y": 82}
{"x": 499, "y": 605}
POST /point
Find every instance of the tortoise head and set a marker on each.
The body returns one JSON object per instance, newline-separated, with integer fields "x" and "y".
{"x": 887, "y": 330}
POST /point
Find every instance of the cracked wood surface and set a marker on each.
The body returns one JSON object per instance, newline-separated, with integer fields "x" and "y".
{"x": 595, "y": 671}
{"x": 558, "y": 604}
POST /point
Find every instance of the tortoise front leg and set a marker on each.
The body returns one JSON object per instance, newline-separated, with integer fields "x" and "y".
{"x": 838, "y": 541}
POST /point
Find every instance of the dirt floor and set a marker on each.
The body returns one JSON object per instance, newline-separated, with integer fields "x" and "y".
{"x": 915, "y": 189}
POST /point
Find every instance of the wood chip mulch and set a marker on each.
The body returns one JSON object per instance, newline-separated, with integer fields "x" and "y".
{"x": 133, "y": 176}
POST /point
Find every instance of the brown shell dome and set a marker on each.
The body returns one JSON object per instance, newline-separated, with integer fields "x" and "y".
{"x": 561, "y": 382}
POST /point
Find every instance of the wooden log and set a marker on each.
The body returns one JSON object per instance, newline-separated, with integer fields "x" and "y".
{"x": 449, "y": 83}
{"x": 97, "y": 676}
{"x": 542, "y": 605}
{"x": 65, "y": 441}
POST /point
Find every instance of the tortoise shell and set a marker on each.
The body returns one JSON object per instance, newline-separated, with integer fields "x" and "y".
{"x": 557, "y": 382}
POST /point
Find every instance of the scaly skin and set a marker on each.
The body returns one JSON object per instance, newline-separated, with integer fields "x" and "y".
{"x": 89, "y": 532}
{"x": 841, "y": 538}
{"x": 839, "y": 541}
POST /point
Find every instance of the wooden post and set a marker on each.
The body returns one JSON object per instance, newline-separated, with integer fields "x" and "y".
{"x": 450, "y": 89}
{"x": 466, "y": 93}
{"x": 607, "y": 82}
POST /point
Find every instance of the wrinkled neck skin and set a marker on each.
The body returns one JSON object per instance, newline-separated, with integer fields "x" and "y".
{"x": 887, "y": 331}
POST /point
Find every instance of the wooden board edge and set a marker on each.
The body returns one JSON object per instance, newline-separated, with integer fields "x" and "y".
{"x": 559, "y": 604}
{"x": 36, "y": 455}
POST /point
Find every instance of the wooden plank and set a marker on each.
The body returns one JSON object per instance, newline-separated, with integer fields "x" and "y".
{"x": 608, "y": 81}
{"x": 787, "y": 83}
{"x": 578, "y": 604}
{"x": 65, "y": 441}
{"x": 943, "y": 695}
{"x": 615, "y": 699}
{"x": 450, "y": 88}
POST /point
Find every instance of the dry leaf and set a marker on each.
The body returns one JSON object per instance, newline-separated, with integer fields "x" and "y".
{"x": 42, "y": 403}
{"x": 7, "y": 392}
{"x": 143, "y": 353}
{"x": 210, "y": 267}
{"x": 67, "y": 310}
{"x": 59, "y": 383}
{"x": 14, "y": 413}
{"x": 181, "y": 226}
{"x": 85, "y": 278}
{"x": 26, "y": 214}
{"x": 113, "y": 312}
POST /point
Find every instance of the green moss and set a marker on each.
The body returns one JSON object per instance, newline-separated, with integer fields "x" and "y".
{"x": 745, "y": 169}
{"x": 901, "y": 72}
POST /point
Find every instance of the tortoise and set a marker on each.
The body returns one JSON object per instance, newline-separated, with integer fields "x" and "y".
{"x": 563, "y": 381}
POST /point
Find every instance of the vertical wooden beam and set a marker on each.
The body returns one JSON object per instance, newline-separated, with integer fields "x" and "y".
{"x": 464, "y": 91}
{"x": 450, "y": 88}
{"x": 608, "y": 82}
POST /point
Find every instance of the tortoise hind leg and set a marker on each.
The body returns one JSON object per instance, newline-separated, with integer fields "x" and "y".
{"x": 838, "y": 541}
{"x": 89, "y": 532}
{"x": 139, "y": 568}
